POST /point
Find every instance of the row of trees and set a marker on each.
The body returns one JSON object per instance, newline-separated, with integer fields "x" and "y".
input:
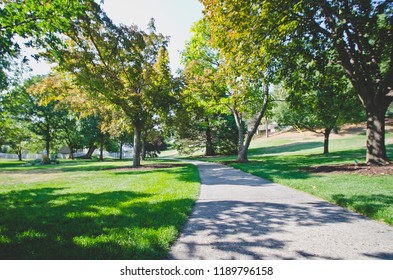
{"x": 324, "y": 54}
{"x": 116, "y": 72}
{"x": 313, "y": 47}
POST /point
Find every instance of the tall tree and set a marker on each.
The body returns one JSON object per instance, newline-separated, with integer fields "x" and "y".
{"x": 316, "y": 94}
{"x": 43, "y": 118}
{"x": 247, "y": 97}
{"x": 16, "y": 135}
{"x": 246, "y": 67}
{"x": 359, "y": 33}
{"x": 202, "y": 89}
{"x": 118, "y": 64}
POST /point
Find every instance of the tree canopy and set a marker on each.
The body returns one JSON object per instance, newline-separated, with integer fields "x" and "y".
{"x": 358, "y": 34}
{"x": 40, "y": 23}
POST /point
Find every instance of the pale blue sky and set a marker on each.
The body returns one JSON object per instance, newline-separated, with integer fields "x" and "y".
{"x": 173, "y": 18}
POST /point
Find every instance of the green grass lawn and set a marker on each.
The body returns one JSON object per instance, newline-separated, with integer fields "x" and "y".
{"x": 91, "y": 210}
{"x": 282, "y": 160}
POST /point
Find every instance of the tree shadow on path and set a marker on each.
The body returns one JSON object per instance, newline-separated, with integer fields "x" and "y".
{"x": 262, "y": 230}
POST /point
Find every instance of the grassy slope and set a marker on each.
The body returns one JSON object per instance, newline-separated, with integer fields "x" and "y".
{"x": 280, "y": 159}
{"x": 86, "y": 211}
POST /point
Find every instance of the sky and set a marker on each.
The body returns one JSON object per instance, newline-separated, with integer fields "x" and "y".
{"x": 173, "y": 18}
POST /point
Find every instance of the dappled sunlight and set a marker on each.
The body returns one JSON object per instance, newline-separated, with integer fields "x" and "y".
{"x": 96, "y": 215}
{"x": 91, "y": 221}
{"x": 261, "y": 230}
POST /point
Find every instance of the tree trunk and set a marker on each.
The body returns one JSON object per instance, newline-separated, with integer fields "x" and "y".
{"x": 71, "y": 156}
{"x": 267, "y": 127}
{"x": 19, "y": 153}
{"x": 137, "y": 147}
{"x": 376, "y": 150}
{"x": 241, "y": 151}
{"x": 242, "y": 155}
{"x": 121, "y": 150}
{"x": 101, "y": 151}
{"x": 209, "y": 149}
{"x": 326, "y": 135}
{"x": 90, "y": 152}
{"x": 47, "y": 146}
{"x": 143, "y": 153}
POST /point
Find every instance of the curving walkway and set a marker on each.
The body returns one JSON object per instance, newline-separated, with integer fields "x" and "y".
{"x": 241, "y": 216}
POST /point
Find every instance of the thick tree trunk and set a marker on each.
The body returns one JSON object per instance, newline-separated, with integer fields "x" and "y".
{"x": 90, "y": 152}
{"x": 376, "y": 150}
{"x": 19, "y": 156}
{"x": 137, "y": 147}
{"x": 209, "y": 149}
{"x": 326, "y": 135}
{"x": 242, "y": 155}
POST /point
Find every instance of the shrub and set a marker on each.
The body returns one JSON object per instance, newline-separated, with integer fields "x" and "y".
{"x": 45, "y": 159}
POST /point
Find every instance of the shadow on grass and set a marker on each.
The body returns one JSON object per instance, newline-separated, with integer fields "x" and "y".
{"x": 48, "y": 224}
{"x": 181, "y": 171}
{"x": 10, "y": 163}
{"x": 286, "y": 148}
{"x": 290, "y": 166}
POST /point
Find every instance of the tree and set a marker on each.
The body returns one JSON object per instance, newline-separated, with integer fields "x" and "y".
{"x": 316, "y": 93}
{"x": 358, "y": 33}
{"x": 43, "y": 118}
{"x": 247, "y": 96}
{"x": 246, "y": 67}
{"x": 16, "y": 135}
{"x": 204, "y": 88}
{"x": 201, "y": 91}
{"x": 40, "y": 23}
{"x": 121, "y": 66}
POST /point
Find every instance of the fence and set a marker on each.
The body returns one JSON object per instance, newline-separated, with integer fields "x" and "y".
{"x": 65, "y": 156}
{"x": 24, "y": 156}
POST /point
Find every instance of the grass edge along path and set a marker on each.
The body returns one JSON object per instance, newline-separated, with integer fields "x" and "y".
{"x": 93, "y": 210}
{"x": 371, "y": 196}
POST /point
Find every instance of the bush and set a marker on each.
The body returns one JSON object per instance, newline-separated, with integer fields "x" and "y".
{"x": 45, "y": 159}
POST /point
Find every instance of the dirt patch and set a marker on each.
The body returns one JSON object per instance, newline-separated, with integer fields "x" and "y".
{"x": 362, "y": 169}
{"x": 148, "y": 167}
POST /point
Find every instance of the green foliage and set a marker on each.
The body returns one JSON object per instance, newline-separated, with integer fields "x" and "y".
{"x": 192, "y": 138}
{"x": 16, "y": 135}
{"x": 155, "y": 146}
{"x": 51, "y": 121}
{"x": 200, "y": 116}
{"x": 122, "y": 67}
{"x": 354, "y": 35}
{"x": 224, "y": 134}
{"x": 41, "y": 23}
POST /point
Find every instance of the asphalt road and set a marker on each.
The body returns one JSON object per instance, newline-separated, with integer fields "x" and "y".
{"x": 239, "y": 216}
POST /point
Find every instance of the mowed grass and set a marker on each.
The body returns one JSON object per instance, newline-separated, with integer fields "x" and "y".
{"x": 283, "y": 159}
{"x": 92, "y": 210}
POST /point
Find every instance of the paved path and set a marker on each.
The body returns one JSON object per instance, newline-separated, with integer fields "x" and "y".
{"x": 241, "y": 216}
